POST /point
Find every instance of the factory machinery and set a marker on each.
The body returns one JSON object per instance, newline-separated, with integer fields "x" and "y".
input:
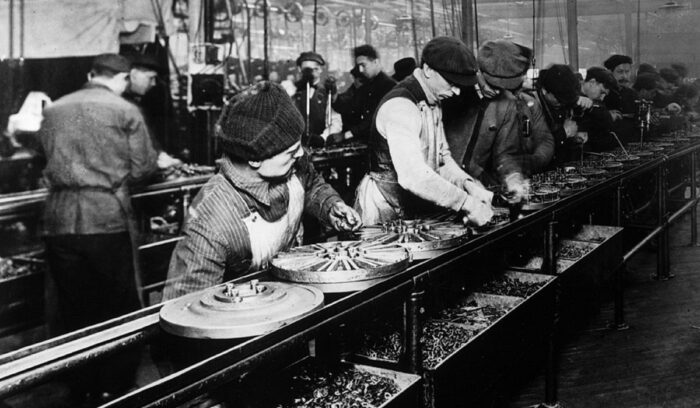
{"x": 417, "y": 312}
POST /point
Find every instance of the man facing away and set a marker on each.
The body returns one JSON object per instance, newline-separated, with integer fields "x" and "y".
{"x": 96, "y": 145}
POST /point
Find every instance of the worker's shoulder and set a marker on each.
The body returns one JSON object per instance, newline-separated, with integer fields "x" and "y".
{"x": 217, "y": 206}
{"x": 96, "y": 97}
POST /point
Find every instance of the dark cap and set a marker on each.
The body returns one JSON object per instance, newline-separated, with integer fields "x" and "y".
{"x": 644, "y": 67}
{"x": 146, "y": 62}
{"x": 645, "y": 81}
{"x": 452, "y": 59}
{"x": 403, "y": 68}
{"x": 602, "y": 76}
{"x": 669, "y": 75}
{"x": 504, "y": 63}
{"x": 111, "y": 62}
{"x": 310, "y": 56}
{"x": 616, "y": 60}
{"x": 560, "y": 81}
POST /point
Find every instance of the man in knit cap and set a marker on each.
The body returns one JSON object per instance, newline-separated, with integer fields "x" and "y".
{"x": 251, "y": 210}
{"x": 411, "y": 168}
{"x": 483, "y": 135}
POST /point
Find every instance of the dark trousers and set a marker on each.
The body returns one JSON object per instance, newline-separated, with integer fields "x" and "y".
{"x": 93, "y": 281}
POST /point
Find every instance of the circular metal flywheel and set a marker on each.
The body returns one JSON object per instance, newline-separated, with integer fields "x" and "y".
{"x": 424, "y": 237}
{"x": 232, "y": 311}
{"x": 342, "y": 266}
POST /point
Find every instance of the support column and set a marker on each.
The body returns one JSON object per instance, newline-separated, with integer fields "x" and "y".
{"x": 619, "y": 274}
{"x": 468, "y": 18}
{"x": 549, "y": 266}
{"x": 572, "y": 32}
{"x": 368, "y": 25}
{"x": 539, "y": 34}
{"x": 662, "y": 253}
{"x": 629, "y": 29}
{"x": 694, "y": 197}
{"x": 413, "y": 309}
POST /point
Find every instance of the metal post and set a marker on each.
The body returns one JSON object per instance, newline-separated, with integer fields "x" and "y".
{"x": 549, "y": 265}
{"x": 468, "y": 19}
{"x": 662, "y": 258}
{"x": 572, "y": 32}
{"x": 619, "y": 274}
{"x": 693, "y": 196}
{"x": 413, "y": 309}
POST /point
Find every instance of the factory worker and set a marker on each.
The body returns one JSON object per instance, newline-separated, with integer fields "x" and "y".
{"x": 252, "y": 208}
{"x": 411, "y": 168}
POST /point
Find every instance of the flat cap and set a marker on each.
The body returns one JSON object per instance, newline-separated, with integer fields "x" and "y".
{"x": 310, "y": 56}
{"x": 452, "y": 59}
{"x": 616, "y": 60}
{"x": 111, "y": 62}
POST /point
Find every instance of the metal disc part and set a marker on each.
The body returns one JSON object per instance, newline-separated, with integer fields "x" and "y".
{"x": 341, "y": 266}
{"x": 424, "y": 237}
{"x": 237, "y": 311}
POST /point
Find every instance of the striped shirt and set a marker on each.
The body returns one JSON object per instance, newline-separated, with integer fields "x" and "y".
{"x": 216, "y": 245}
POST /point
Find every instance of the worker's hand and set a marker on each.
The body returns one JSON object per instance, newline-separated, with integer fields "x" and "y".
{"x": 476, "y": 212}
{"x": 516, "y": 187}
{"x": 335, "y": 138}
{"x": 343, "y": 218}
{"x": 570, "y": 127}
{"x": 615, "y": 115}
{"x": 330, "y": 85}
{"x": 477, "y": 190}
{"x": 674, "y": 108}
{"x": 486, "y": 89}
{"x": 584, "y": 102}
{"x": 166, "y": 161}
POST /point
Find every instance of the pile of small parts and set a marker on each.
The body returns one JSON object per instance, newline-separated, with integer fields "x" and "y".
{"x": 313, "y": 387}
{"x": 9, "y": 269}
{"x": 572, "y": 251}
{"x": 508, "y": 286}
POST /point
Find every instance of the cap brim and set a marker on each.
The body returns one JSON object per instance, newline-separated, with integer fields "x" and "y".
{"x": 459, "y": 79}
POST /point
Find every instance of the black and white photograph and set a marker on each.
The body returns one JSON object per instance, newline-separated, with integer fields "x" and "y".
{"x": 349, "y": 203}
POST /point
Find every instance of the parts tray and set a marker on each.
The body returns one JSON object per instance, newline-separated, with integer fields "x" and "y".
{"x": 468, "y": 375}
{"x": 262, "y": 390}
{"x": 22, "y": 296}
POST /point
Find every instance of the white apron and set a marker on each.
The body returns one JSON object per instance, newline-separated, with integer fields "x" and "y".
{"x": 267, "y": 239}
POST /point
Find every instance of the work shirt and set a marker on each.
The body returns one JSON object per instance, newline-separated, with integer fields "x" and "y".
{"x": 216, "y": 245}
{"x": 491, "y": 157}
{"x": 96, "y": 144}
{"x": 408, "y": 149}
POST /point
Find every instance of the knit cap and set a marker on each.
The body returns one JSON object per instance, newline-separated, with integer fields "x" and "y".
{"x": 259, "y": 123}
{"x": 504, "y": 63}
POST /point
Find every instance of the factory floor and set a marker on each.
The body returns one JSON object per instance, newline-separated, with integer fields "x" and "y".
{"x": 653, "y": 364}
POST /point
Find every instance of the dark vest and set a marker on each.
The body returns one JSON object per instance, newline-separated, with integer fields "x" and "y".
{"x": 379, "y": 157}
{"x": 317, "y": 108}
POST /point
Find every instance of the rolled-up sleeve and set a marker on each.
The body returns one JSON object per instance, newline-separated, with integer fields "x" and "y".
{"x": 398, "y": 120}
